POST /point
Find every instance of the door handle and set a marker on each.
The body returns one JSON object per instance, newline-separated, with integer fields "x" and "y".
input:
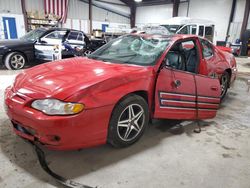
{"x": 214, "y": 88}
{"x": 177, "y": 83}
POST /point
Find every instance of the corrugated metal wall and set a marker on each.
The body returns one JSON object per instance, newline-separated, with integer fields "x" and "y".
{"x": 10, "y": 6}
{"x": 34, "y": 5}
{"x": 103, "y": 15}
{"x": 78, "y": 10}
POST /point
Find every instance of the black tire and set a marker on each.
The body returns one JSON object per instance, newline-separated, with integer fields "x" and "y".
{"x": 117, "y": 135}
{"x": 15, "y": 61}
{"x": 224, "y": 81}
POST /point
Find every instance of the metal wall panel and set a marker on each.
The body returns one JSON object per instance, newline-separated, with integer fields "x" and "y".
{"x": 78, "y": 10}
{"x": 106, "y": 16}
{"x": 10, "y": 6}
{"x": 34, "y": 5}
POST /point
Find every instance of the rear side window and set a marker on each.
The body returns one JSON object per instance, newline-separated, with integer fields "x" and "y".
{"x": 73, "y": 36}
{"x": 207, "y": 49}
{"x": 194, "y": 28}
{"x": 56, "y": 35}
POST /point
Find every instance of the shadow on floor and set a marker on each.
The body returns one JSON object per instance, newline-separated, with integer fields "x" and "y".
{"x": 80, "y": 163}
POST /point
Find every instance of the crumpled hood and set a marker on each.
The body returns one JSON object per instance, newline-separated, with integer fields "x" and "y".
{"x": 62, "y": 79}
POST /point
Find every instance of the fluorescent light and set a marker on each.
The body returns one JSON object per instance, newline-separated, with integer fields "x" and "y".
{"x": 138, "y": 1}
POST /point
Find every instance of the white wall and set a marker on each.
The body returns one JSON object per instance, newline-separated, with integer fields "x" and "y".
{"x": 217, "y": 11}
{"x": 153, "y": 14}
{"x": 235, "y": 26}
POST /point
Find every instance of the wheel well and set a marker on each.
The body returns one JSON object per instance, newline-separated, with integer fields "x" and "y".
{"x": 15, "y": 51}
{"x": 229, "y": 71}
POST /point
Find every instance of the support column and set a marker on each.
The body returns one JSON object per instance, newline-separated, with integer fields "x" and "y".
{"x": 90, "y": 17}
{"x": 132, "y": 15}
{"x": 24, "y": 15}
{"x": 175, "y": 7}
{"x": 231, "y": 18}
{"x": 245, "y": 19}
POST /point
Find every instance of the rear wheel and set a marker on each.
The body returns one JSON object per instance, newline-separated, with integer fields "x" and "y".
{"x": 15, "y": 61}
{"x": 128, "y": 121}
{"x": 224, "y": 84}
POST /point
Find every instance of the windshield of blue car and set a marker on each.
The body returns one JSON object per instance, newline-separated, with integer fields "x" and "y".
{"x": 132, "y": 49}
{"x": 33, "y": 35}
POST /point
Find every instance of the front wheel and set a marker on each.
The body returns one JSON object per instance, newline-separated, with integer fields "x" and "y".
{"x": 224, "y": 84}
{"x": 128, "y": 121}
{"x": 15, "y": 61}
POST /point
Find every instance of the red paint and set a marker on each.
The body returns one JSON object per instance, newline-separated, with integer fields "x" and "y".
{"x": 100, "y": 86}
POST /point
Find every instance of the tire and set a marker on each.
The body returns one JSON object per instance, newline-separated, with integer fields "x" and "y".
{"x": 15, "y": 61}
{"x": 224, "y": 81}
{"x": 131, "y": 128}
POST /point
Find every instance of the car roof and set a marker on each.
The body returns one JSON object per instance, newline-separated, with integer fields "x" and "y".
{"x": 61, "y": 29}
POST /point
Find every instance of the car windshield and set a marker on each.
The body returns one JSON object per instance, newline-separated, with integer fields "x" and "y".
{"x": 172, "y": 28}
{"x": 132, "y": 49}
{"x": 33, "y": 35}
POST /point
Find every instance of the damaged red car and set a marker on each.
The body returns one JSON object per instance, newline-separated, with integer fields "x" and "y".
{"x": 110, "y": 96}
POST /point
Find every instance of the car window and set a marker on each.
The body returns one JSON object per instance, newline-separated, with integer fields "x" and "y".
{"x": 201, "y": 30}
{"x": 194, "y": 28}
{"x": 73, "y": 35}
{"x": 185, "y": 30}
{"x": 183, "y": 56}
{"x": 80, "y": 37}
{"x": 207, "y": 49}
{"x": 56, "y": 35}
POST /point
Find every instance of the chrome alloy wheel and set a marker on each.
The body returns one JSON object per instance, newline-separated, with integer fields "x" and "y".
{"x": 17, "y": 61}
{"x": 87, "y": 52}
{"x": 130, "y": 122}
{"x": 224, "y": 84}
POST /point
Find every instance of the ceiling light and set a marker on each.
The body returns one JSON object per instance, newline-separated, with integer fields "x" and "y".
{"x": 138, "y": 1}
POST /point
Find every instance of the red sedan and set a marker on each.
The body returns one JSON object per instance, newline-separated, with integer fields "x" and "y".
{"x": 111, "y": 95}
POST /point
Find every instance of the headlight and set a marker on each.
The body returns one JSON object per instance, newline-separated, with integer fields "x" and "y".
{"x": 56, "y": 107}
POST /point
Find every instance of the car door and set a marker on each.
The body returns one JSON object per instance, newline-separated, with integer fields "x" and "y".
{"x": 181, "y": 93}
{"x": 175, "y": 95}
{"x": 208, "y": 96}
{"x": 45, "y": 46}
{"x": 76, "y": 40}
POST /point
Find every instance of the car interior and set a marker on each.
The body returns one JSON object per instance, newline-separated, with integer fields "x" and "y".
{"x": 183, "y": 56}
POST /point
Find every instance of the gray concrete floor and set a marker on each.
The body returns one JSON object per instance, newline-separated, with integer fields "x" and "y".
{"x": 168, "y": 155}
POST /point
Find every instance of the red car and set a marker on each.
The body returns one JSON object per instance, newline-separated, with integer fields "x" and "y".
{"x": 111, "y": 95}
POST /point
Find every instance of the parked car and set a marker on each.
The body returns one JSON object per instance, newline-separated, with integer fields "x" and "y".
{"x": 40, "y": 44}
{"x": 110, "y": 95}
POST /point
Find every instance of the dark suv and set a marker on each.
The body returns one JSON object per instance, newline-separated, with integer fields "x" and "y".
{"x": 39, "y": 45}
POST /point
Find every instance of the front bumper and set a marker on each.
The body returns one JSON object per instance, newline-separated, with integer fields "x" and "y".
{"x": 86, "y": 129}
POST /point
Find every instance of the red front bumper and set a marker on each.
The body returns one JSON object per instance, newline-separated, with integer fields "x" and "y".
{"x": 86, "y": 129}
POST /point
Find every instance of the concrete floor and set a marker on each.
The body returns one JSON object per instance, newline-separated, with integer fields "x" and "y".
{"x": 168, "y": 155}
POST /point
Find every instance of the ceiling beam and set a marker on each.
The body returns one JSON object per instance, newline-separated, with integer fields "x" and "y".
{"x": 129, "y": 3}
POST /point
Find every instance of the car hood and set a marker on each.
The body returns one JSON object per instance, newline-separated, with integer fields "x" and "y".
{"x": 14, "y": 42}
{"x": 61, "y": 79}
